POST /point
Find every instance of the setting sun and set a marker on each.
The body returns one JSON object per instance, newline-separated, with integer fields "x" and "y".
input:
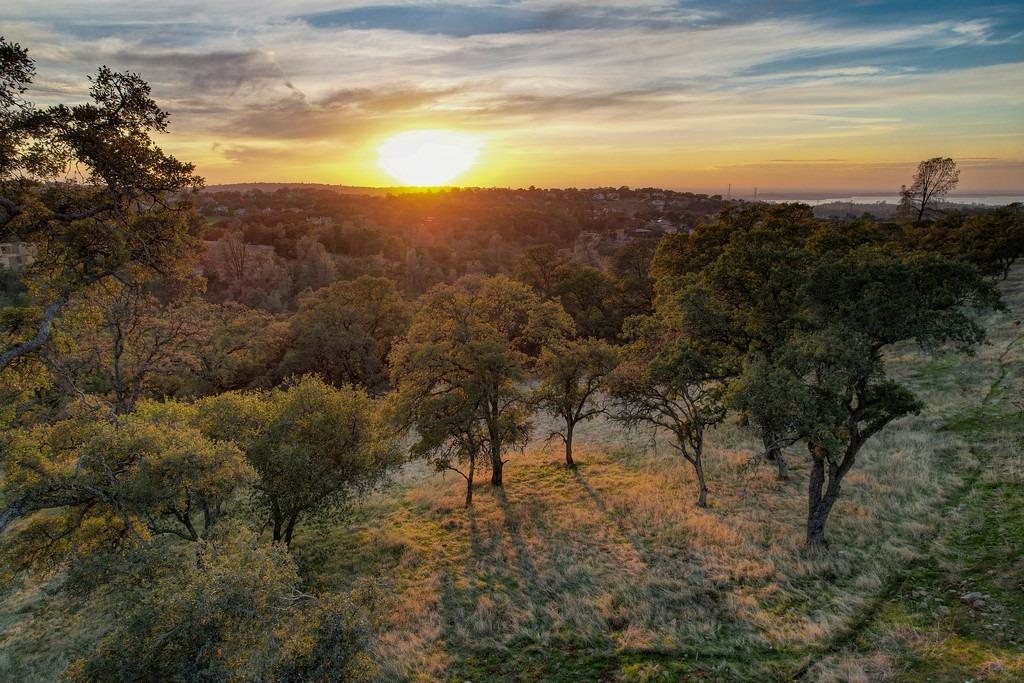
{"x": 428, "y": 157}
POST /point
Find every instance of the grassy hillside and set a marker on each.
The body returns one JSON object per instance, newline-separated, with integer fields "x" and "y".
{"x": 609, "y": 572}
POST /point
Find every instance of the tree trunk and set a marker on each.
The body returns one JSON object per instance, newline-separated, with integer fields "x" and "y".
{"x": 469, "y": 481}
{"x": 290, "y": 528}
{"x": 819, "y": 502}
{"x": 278, "y": 518}
{"x": 774, "y": 454}
{"x": 568, "y": 445}
{"x": 496, "y": 463}
{"x": 702, "y": 488}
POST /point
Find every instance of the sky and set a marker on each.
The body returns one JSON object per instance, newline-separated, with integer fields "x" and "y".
{"x": 785, "y": 96}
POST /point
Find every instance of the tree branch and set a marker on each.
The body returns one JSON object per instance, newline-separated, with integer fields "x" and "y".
{"x": 42, "y": 335}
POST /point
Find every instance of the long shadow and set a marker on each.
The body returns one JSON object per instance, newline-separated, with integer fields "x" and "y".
{"x": 457, "y": 604}
{"x": 634, "y": 540}
{"x": 536, "y": 582}
{"x": 533, "y": 586}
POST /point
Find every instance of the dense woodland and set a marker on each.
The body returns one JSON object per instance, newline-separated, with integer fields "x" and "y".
{"x": 191, "y": 378}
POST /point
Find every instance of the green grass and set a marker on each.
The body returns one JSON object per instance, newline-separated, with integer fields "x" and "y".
{"x": 932, "y": 625}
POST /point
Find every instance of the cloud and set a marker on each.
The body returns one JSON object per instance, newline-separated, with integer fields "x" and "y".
{"x": 654, "y": 83}
{"x": 221, "y": 73}
{"x": 462, "y": 20}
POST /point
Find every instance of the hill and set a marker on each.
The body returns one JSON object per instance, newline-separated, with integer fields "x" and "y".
{"x": 608, "y": 572}
{"x": 272, "y": 187}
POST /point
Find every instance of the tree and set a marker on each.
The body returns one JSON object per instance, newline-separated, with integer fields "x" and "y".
{"x": 241, "y": 347}
{"x": 247, "y": 273}
{"x": 314, "y": 447}
{"x": 345, "y": 332}
{"x": 239, "y": 612}
{"x": 799, "y": 313}
{"x": 459, "y": 371}
{"x": 314, "y": 268}
{"x": 663, "y": 383}
{"x": 741, "y": 305}
{"x": 934, "y": 179}
{"x": 590, "y": 298}
{"x": 630, "y": 267}
{"x": 88, "y": 189}
{"x": 571, "y": 376}
{"x": 858, "y": 304}
{"x": 118, "y": 339}
{"x": 993, "y": 240}
{"x": 115, "y": 481}
{"x": 536, "y": 267}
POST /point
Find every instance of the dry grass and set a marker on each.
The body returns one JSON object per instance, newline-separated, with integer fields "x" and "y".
{"x": 614, "y": 556}
{"x": 611, "y": 568}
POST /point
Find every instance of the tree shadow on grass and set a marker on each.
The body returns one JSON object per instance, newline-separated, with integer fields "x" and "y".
{"x": 631, "y": 536}
{"x": 538, "y": 597}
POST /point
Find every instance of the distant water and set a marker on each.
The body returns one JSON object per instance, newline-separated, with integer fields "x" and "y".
{"x": 983, "y": 200}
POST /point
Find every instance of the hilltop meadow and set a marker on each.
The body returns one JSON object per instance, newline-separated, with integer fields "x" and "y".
{"x": 608, "y": 572}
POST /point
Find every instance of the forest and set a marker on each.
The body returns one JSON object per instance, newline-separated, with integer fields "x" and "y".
{"x": 485, "y": 434}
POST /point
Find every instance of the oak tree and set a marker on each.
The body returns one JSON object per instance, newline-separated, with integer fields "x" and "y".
{"x": 88, "y": 190}
{"x": 664, "y": 383}
{"x": 460, "y": 369}
{"x": 571, "y": 375}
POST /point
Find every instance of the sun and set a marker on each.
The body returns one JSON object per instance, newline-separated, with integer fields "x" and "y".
{"x": 427, "y": 158}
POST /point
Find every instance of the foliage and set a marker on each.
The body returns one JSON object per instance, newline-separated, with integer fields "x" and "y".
{"x": 630, "y": 267}
{"x": 590, "y": 297}
{"x": 664, "y": 383}
{"x": 238, "y": 613}
{"x": 119, "y": 342}
{"x": 536, "y": 267}
{"x": 88, "y": 189}
{"x": 459, "y": 370}
{"x": 249, "y": 274}
{"x": 344, "y": 332}
{"x": 313, "y": 446}
{"x": 993, "y": 240}
{"x": 115, "y": 482}
{"x": 241, "y": 347}
{"x": 571, "y": 374}
{"x": 743, "y": 306}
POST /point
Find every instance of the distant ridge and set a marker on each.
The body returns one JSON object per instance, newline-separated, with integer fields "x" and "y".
{"x": 273, "y": 187}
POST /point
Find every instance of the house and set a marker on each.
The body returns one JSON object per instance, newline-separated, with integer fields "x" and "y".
{"x": 16, "y": 255}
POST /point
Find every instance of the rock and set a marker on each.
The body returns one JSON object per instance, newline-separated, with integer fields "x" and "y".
{"x": 973, "y": 598}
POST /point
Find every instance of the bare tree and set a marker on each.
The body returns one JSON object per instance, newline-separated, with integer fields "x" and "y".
{"x": 934, "y": 179}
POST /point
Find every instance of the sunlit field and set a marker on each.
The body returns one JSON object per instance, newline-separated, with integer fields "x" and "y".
{"x": 611, "y": 567}
{"x": 610, "y": 572}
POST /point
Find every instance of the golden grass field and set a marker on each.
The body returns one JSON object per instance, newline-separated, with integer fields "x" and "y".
{"x": 609, "y": 571}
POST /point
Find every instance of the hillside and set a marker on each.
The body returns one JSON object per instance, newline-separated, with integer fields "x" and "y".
{"x": 608, "y": 572}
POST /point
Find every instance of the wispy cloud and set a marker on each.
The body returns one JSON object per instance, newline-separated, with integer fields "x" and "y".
{"x": 655, "y": 85}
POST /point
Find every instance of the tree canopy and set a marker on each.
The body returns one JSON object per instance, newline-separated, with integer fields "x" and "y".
{"x": 88, "y": 189}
